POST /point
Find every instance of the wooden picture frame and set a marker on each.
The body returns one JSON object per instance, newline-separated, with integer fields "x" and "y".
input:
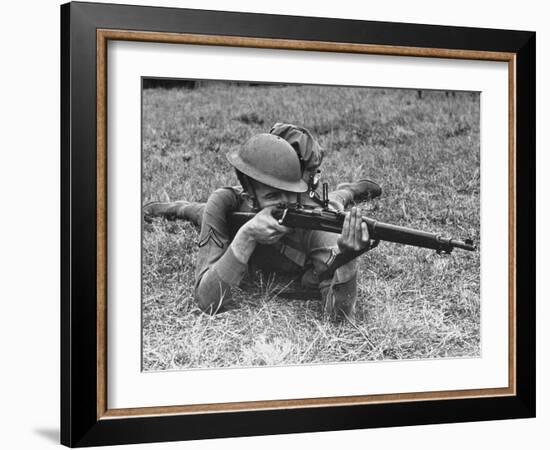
{"x": 86, "y": 418}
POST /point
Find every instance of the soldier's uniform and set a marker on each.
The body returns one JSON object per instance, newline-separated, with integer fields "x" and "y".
{"x": 300, "y": 256}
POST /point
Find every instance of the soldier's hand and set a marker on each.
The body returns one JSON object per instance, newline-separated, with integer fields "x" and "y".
{"x": 355, "y": 233}
{"x": 264, "y": 228}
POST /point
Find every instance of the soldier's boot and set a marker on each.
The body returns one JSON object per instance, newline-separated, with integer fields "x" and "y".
{"x": 362, "y": 190}
{"x": 180, "y": 209}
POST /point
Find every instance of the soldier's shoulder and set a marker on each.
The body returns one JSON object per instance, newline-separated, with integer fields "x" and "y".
{"x": 228, "y": 197}
{"x": 226, "y": 191}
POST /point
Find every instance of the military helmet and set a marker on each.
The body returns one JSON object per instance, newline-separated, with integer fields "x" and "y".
{"x": 270, "y": 160}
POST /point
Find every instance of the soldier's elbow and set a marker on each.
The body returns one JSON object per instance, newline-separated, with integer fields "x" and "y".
{"x": 207, "y": 305}
{"x": 211, "y": 303}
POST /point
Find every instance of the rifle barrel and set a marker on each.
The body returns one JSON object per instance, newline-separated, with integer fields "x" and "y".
{"x": 333, "y": 221}
{"x": 403, "y": 235}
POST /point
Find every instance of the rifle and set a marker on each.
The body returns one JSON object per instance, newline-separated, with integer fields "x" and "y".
{"x": 326, "y": 219}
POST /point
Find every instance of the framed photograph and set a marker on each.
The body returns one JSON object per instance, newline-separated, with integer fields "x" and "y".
{"x": 278, "y": 224}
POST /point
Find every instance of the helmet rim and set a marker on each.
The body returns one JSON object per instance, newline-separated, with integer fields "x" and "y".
{"x": 299, "y": 186}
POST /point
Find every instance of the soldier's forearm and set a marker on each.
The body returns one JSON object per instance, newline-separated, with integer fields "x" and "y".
{"x": 340, "y": 292}
{"x": 243, "y": 245}
{"x": 213, "y": 287}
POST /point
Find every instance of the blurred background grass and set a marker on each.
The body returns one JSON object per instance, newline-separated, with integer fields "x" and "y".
{"x": 412, "y": 303}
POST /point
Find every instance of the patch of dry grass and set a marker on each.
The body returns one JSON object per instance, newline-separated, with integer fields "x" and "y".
{"x": 412, "y": 302}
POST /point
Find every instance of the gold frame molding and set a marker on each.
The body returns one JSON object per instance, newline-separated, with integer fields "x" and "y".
{"x": 103, "y": 36}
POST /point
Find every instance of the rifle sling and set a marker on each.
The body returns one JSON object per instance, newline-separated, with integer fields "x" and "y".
{"x": 344, "y": 258}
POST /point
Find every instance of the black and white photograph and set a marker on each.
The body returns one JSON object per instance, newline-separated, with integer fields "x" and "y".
{"x": 293, "y": 224}
{"x": 275, "y": 225}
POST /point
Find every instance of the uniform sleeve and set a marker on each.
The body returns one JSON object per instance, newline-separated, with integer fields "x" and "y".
{"x": 339, "y": 294}
{"x": 217, "y": 269}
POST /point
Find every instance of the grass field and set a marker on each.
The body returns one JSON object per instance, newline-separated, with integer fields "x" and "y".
{"x": 412, "y": 303}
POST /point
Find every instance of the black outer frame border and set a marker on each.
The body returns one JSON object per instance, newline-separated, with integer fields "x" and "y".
{"x": 79, "y": 425}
